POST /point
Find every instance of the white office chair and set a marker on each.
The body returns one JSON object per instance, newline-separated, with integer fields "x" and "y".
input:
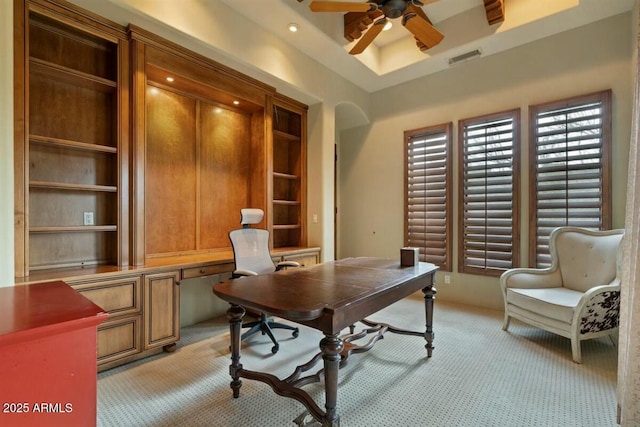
{"x": 252, "y": 257}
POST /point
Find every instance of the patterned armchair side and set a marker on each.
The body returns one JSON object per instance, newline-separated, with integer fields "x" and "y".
{"x": 578, "y": 296}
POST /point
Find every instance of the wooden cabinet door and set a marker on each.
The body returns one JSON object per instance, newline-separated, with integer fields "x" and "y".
{"x": 161, "y": 309}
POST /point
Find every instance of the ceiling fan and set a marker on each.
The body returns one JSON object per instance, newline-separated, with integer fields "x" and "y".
{"x": 413, "y": 19}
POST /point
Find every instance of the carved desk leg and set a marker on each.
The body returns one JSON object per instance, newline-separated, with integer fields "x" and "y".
{"x": 235, "y": 313}
{"x": 331, "y": 346}
{"x": 429, "y": 296}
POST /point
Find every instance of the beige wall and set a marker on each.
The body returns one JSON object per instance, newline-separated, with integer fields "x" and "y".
{"x": 6, "y": 144}
{"x": 584, "y": 60}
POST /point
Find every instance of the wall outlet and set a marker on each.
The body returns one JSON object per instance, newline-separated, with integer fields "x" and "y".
{"x": 88, "y": 218}
{"x": 447, "y": 279}
{"x": 314, "y": 218}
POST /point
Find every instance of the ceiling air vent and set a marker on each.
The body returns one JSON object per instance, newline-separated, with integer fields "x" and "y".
{"x": 467, "y": 56}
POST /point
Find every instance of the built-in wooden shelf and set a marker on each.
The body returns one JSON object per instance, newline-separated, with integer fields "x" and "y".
{"x": 73, "y": 187}
{"x": 285, "y": 135}
{"x": 286, "y": 226}
{"x": 73, "y": 228}
{"x": 285, "y": 175}
{"x": 66, "y": 143}
{"x": 71, "y": 76}
{"x": 286, "y": 202}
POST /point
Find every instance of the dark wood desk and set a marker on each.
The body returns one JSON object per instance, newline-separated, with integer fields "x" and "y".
{"x": 328, "y": 297}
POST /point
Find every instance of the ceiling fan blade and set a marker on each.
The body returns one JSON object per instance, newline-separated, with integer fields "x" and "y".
{"x": 368, "y": 37}
{"x": 422, "y": 30}
{"x": 412, "y": 8}
{"x": 331, "y": 6}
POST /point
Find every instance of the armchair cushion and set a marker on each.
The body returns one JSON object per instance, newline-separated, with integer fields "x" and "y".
{"x": 555, "y": 303}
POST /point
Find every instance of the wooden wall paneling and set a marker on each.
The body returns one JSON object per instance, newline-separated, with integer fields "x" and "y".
{"x": 171, "y": 56}
{"x": 20, "y": 132}
{"x": 170, "y": 174}
{"x": 138, "y": 143}
{"x": 70, "y": 48}
{"x": 259, "y": 162}
{"x": 61, "y": 207}
{"x": 198, "y": 168}
{"x": 81, "y": 166}
{"x": 225, "y": 165}
{"x": 123, "y": 134}
{"x": 267, "y": 164}
{"x": 229, "y": 130}
{"x": 70, "y": 249}
{"x": 56, "y": 113}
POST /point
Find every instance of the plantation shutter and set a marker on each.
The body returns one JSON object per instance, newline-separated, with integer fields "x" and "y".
{"x": 427, "y": 196}
{"x": 489, "y": 180}
{"x": 570, "y": 145}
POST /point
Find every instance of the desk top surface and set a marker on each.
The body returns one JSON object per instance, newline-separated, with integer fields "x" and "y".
{"x": 328, "y": 289}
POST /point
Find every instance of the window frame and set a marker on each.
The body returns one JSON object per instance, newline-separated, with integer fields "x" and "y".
{"x": 446, "y": 129}
{"x": 488, "y": 270}
{"x": 536, "y": 239}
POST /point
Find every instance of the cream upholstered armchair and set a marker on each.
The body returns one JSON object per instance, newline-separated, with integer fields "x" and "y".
{"x": 578, "y": 296}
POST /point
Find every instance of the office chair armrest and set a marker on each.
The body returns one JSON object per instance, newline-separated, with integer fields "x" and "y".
{"x": 242, "y": 273}
{"x": 284, "y": 264}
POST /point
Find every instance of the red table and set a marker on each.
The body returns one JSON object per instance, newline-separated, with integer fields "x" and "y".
{"x": 48, "y": 356}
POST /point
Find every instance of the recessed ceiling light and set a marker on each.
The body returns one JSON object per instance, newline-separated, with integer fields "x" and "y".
{"x": 236, "y": 102}
{"x": 170, "y": 79}
{"x": 293, "y": 27}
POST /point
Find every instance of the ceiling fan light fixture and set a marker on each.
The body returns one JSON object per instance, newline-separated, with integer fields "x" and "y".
{"x": 293, "y": 27}
{"x": 394, "y": 8}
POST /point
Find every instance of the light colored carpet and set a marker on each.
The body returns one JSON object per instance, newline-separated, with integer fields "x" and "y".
{"x": 479, "y": 376}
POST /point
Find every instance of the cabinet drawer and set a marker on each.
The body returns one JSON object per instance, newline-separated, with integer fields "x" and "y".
{"x": 206, "y": 270}
{"x": 303, "y": 260}
{"x": 117, "y": 297}
{"x": 119, "y": 338}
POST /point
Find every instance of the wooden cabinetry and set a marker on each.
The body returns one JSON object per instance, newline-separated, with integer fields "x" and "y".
{"x": 124, "y": 221}
{"x": 121, "y": 297}
{"x": 72, "y": 175}
{"x": 306, "y": 258}
{"x": 288, "y": 174}
{"x": 197, "y": 170}
{"x": 161, "y": 310}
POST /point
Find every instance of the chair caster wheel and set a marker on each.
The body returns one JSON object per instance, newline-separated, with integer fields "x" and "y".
{"x": 296, "y": 333}
{"x": 275, "y": 349}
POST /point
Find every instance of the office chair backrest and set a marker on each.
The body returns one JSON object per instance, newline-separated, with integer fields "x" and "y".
{"x": 251, "y": 245}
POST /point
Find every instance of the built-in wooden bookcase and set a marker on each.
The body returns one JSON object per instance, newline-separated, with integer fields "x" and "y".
{"x": 288, "y": 173}
{"x": 72, "y": 149}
